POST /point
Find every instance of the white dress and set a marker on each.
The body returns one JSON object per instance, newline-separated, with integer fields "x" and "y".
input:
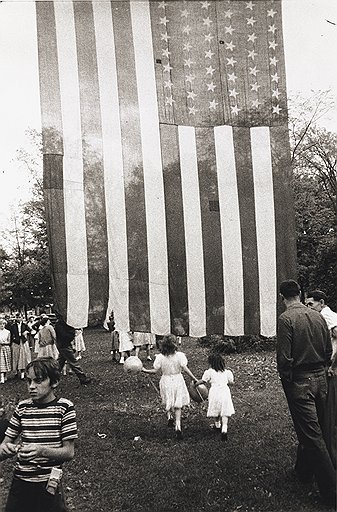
{"x": 79, "y": 341}
{"x": 219, "y": 397}
{"x": 173, "y": 389}
{"x": 125, "y": 343}
{"x": 5, "y": 351}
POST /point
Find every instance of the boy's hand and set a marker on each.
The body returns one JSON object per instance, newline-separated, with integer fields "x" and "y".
{"x": 7, "y": 450}
{"x": 29, "y": 452}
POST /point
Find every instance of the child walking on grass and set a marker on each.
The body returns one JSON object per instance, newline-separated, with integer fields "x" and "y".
{"x": 220, "y": 405}
{"x": 46, "y": 427}
{"x": 173, "y": 390}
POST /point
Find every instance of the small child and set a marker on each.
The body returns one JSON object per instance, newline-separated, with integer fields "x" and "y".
{"x": 173, "y": 390}
{"x": 114, "y": 338}
{"x": 47, "y": 429}
{"x": 79, "y": 343}
{"x": 220, "y": 405}
{"x": 143, "y": 339}
{"x": 125, "y": 345}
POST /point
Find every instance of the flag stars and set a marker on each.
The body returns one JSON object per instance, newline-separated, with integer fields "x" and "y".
{"x": 209, "y": 54}
{"x": 169, "y": 101}
{"x": 272, "y": 44}
{"x": 233, "y": 93}
{"x": 250, "y": 5}
{"x": 184, "y": 13}
{"x": 231, "y": 77}
{"x": 187, "y": 47}
{"x": 165, "y": 52}
{"x": 235, "y": 110}
{"x": 256, "y": 103}
{"x": 275, "y": 93}
{"x": 210, "y": 71}
{"x": 229, "y": 30}
{"x": 251, "y": 38}
{"x": 228, "y": 14}
{"x": 165, "y": 37}
{"x": 250, "y": 21}
{"x": 272, "y": 29}
{"x": 191, "y": 95}
{"x": 252, "y": 54}
{"x": 192, "y": 110}
{"x": 208, "y": 37}
{"x": 186, "y": 30}
{"x": 167, "y": 68}
{"x": 230, "y": 46}
{"x": 163, "y": 21}
{"x": 276, "y": 109}
{"x": 168, "y": 84}
{"x": 189, "y": 78}
{"x": 253, "y": 71}
{"x": 188, "y": 62}
{"x": 273, "y": 61}
{"x": 255, "y": 87}
{"x": 205, "y": 5}
{"x": 207, "y": 21}
{"x": 213, "y": 104}
{"x": 271, "y": 13}
{"x": 231, "y": 61}
{"x": 162, "y": 5}
{"x": 211, "y": 87}
{"x": 275, "y": 78}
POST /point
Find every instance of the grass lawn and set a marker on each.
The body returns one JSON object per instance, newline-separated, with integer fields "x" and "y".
{"x": 112, "y": 471}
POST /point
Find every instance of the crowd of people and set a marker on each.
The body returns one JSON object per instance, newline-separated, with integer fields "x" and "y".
{"x": 42, "y": 430}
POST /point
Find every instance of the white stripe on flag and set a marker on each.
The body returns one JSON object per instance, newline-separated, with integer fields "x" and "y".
{"x": 77, "y": 265}
{"x": 152, "y": 162}
{"x": 193, "y": 232}
{"x": 265, "y": 227}
{"x": 230, "y": 231}
{"x": 113, "y": 166}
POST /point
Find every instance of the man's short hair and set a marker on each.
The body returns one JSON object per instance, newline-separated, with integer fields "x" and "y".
{"x": 317, "y": 295}
{"x": 45, "y": 367}
{"x": 290, "y": 289}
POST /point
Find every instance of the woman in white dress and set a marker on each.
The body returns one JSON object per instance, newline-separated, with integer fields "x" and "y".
{"x": 5, "y": 351}
{"x": 173, "y": 389}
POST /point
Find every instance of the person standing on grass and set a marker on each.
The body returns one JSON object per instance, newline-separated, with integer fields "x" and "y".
{"x": 173, "y": 390}
{"x": 5, "y": 351}
{"x": 303, "y": 357}
{"x": 46, "y": 427}
{"x": 220, "y": 404}
{"x": 65, "y": 335}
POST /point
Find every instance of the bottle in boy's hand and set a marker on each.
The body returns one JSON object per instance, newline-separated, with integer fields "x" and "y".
{"x": 54, "y": 480}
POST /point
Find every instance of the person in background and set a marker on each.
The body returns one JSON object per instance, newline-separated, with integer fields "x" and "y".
{"x": 65, "y": 335}
{"x": 47, "y": 339}
{"x": 5, "y": 351}
{"x": 125, "y": 345}
{"x": 21, "y": 354}
{"x": 316, "y": 300}
{"x": 143, "y": 339}
{"x": 303, "y": 356}
{"x": 79, "y": 343}
{"x": 114, "y": 338}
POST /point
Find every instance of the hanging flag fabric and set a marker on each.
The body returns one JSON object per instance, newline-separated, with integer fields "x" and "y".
{"x": 166, "y": 163}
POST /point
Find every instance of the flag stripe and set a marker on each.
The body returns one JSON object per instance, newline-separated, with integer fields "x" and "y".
{"x": 230, "y": 231}
{"x": 93, "y": 176}
{"x": 77, "y": 268}
{"x": 211, "y": 230}
{"x": 113, "y": 166}
{"x": 193, "y": 234}
{"x": 152, "y": 166}
{"x": 243, "y": 159}
{"x": 265, "y": 227}
{"x": 175, "y": 229}
{"x": 139, "y": 305}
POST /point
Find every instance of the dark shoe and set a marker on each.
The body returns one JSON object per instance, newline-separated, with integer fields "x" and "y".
{"x": 87, "y": 380}
{"x": 179, "y": 434}
{"x": 170, "y": 422}
{"x": 224, "y": 436}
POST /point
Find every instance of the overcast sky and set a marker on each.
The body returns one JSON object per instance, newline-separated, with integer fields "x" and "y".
{"x": 310, "y": 38}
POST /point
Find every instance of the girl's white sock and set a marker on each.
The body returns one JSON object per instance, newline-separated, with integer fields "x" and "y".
{"x": 224, "y": 424}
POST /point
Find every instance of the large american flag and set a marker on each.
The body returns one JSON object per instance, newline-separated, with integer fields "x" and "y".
{"x": 166, "y": 163}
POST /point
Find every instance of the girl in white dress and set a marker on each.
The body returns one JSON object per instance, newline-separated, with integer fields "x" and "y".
{"x": 220, "y": 405}
{"x": 79, "y": 343}
{"x": 5, "y": 351}
{"x": 173, "y": 390}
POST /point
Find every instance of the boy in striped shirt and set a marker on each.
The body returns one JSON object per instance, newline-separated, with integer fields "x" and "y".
{"x": 47, "y": 429}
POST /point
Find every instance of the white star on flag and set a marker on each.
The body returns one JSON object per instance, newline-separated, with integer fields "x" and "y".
{"x": 184, "y": 13}
{"x": 168, "y": 84}
{"x": 276, "y": 109}
{"x": 233, "y": 93}
{"x": 189, "y": 78}
{"x": 209, "y": 54}
{"x": 187, "y": 30}
{"x": 271, "y": 13}
{"x": 167, "y": 68}
{"x": 255, "y": 87}
{"x": 165, "y": 37}
{"x": 192, "y": 110}
{"x": 169, "y": 101}
{"x": 252, "y": 54}
{"x": 272, "y": 44}
{"x": 250, "y": 21}
{"x": 164, "y": 21}
{"x": 191, "y": 95}
{"x": 235, "y": 110}
{"x": 211, "y": 87}
{"x": 210, "y": 70}
{"x": 252, "y": 38}
{"x": 256, "y": 103}
{"x": 250, "y": 5}
{"x": 230, "y": 46}
{"x": 165, "y": 52}
{"x": 231, "y": 77}
{"x": 229, "y": 30}
{"x": 213, "y": 104}
{"x": 205, "y": 5}
{"x": 275, "y": 93}
{"x": 253, "y": 71}
{"x": 228, "y": 14}
{"x": 208, "y": 37}
{"x": 272, "y": 29}
{"x": 207, "y": 21}
{"x": 162, "y": 5}
{"x": 231, "y": 61}
{"x": 273, "y": 61}
{"x": 188, "y": 62}
{"x": 275, "y": 78}
{"x": 187, "y": 47}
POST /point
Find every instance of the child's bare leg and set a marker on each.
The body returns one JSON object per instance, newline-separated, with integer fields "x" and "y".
{"x": 148, "y": 352}
{"x": 2, "y": 378}
{"x": 137, "y": 349}
{"x": 217, "y": 422}
{"x": 177, "y": 412}
{"x": 224, "y": 428}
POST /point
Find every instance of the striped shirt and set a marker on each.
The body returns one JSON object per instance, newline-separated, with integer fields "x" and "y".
{"x": 46, "y": 424}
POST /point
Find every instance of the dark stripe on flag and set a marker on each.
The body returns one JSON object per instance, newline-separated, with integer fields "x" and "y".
{"x": 243, "y": 159}
{"x": 93, "y": 173}
{"x": 175, "y": 230}
{"x": 133, "y": 171}
{"x": 211, "y": 230}
{"x": 54, "y": 208}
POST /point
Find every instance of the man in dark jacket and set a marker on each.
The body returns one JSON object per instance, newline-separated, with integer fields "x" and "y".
{"x": 303, "y": 356}
{"x": 19, "y": 335}
{"x": 65, "y": 335}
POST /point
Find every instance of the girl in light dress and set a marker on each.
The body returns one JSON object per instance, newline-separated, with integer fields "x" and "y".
{"x": 5, "y": 351}
{"x": 173, "y": 389}
{"x": 220, "y": 405}
{"x": 125, "y": 345}
{"x": 146, "y": 340}
{"x": 79, "y": 343}
{"x": 47, "y": 340}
